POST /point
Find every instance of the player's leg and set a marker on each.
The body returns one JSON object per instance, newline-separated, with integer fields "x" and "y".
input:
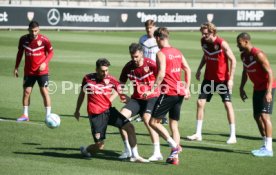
{"x": 206, "y": 94}
{"x": 146, "y": 108}
{"x": 28, "y": 84}
{"x": 120, "y": 121}
{"x": 130, "y": 109}
{"x": 264, "y": 124}
{"x": 154, "y": 139}
{"x": 98, "y": 124}
{"x": 225, "y": 95}
{"x": 43, "y": 86}
{"x": 231, "y": 120}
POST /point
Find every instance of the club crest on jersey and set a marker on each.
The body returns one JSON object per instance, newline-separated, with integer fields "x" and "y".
{"x": 106, "y": 81}
{"x": 216, "y": 47}
{"x": 39, "y": 42}
{"x": 146, "y": 69}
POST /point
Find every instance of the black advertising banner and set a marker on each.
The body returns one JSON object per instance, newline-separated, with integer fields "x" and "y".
{"x": 116, "y": 18}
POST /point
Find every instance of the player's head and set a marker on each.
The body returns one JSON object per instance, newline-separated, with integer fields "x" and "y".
{"x": 243, "y": 41}
{"x": 150, "y": 27}
{"x": 102, "y": 65}
{"x": 208, "y": 31}
{"x": 161, "y": 34}
{"x": 136, "y": 53}
{"x": 33, "y": 29}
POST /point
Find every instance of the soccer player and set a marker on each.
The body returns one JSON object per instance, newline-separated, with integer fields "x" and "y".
{"x": 256, "y": 66}
{"x": 170, "y": 61}
{"x": 141, "y": 72}
{"x": 218, "y": 77}
{"x": 150, "y": 48}
{"x": 38, "y": 53}
{"x": 99, "y": 87}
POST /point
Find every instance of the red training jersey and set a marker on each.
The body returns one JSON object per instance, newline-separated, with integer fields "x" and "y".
{"x": 37, "y": 51}
{"x": 172, "y": 84}
{"x": 142, "y": 77}
{"x": 98, "y": 92}
{"x": 254, "y": 70}
{"x": 216, "y": 61}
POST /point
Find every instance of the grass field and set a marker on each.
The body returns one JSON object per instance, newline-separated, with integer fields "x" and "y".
{"x": 32, "y": 148}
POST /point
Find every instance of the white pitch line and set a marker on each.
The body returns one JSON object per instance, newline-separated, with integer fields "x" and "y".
{"x": 14, "y": 121}
{"x": 245, "y": 109}
{"x": 207, "y": 143}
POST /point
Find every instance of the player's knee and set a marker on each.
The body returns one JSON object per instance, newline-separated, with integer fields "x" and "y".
{"x": 200, "y": 103}
{"x": 100, "y": 145}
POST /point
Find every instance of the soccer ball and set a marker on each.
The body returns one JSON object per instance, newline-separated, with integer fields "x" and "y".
{"x": 52, "y": 121}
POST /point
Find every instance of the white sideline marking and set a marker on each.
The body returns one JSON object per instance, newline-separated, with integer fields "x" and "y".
{"x": 14, "y": 121}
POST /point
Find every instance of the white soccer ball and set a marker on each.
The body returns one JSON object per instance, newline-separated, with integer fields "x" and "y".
{"x": 52, "y": 121}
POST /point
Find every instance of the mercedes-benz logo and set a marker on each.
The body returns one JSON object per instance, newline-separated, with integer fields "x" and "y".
{"x": 53, "y": 17}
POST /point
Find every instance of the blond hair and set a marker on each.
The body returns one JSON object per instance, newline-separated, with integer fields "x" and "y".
{"x": 210, "y": 27}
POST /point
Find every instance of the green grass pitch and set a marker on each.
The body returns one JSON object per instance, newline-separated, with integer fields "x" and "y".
{"x": 32, "y": 148}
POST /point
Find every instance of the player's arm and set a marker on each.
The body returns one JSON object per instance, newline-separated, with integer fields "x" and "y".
{"x": 187, "y": 78}
{"x": 79, "y": 103}
{"x": 262, "y": 59}
{"x": 18, "y": 58}
{"x": 161, "y": 67}
{"x": 80, "y": 100}
{"x": 243, "y": 82}
{"x": 231, "y": 57}
{"x": 201, "y": 64}
{"x": 49, "y": 54}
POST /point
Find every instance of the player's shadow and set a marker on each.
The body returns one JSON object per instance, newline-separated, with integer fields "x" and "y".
{"x": 239, "y": 136}
{"x": 72, "y": 116}
{"x": 58, "y": 152}
{"x": 215, "y": 149}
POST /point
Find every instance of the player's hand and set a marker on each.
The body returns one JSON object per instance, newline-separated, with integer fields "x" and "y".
{"x": 243, "y": 95}
{"x": 15, "y": 73}
{"x": 187, "y": 94}
{"x": 124, "y": 98}
{"x": 268, "y": 97}
{"x": 77, "y": 115}
{"x": 42, "y": 67}
{"x": 230, "y": 84}
{"x": 146, "y": 94}
{"x": 198, "y": 75}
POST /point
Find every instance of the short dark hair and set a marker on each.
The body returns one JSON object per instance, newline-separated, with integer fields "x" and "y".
{"x": 33, "y": 24}
{"x": 244, "y": 36}
{"x": 134, "y": 47}
{"x": 161, "y": 32}
{"x": 149, "y": 22}
{"x": 102, "y": 62}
